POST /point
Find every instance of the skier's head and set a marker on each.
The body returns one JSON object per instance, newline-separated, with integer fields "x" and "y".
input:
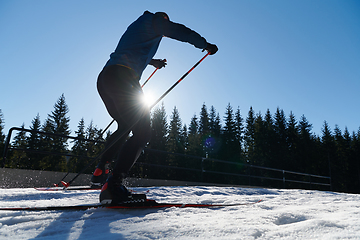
{"x": 163, "y": 15}
{"x": 159, "y": 14}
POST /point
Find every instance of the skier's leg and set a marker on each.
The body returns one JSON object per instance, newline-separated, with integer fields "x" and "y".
{"x": 133, "y": 111}
{"x": 113, "y": 190}
{"x": 133, "y": 147}
{"x": 114, "y": 85}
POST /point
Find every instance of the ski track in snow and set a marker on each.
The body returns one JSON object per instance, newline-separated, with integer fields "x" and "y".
{"x": 283, "y": 214}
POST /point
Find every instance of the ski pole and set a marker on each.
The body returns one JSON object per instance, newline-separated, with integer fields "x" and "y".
{"x": 102, "y": 133}
{"x": 174, "y": 85}
{"x": 164, "y": 60}
{"x": 134, "y": 123}
{"x": 149, "y": 78}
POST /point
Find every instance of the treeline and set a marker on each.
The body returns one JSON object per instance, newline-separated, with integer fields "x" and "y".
{"x": 269, "y": 140}
{"x": 52, "y": 153}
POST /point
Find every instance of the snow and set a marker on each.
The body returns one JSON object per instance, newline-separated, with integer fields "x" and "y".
{"x": 283, "y": 214}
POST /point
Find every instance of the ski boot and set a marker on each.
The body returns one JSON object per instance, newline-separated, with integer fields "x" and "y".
{"x": 115, "y": 193}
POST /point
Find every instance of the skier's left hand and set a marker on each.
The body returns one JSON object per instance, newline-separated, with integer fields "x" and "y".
{"x": 211, "y": 48}
{"x": 158, "y": 63}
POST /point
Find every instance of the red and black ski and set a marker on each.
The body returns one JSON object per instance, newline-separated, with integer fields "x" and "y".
{"x": 148, "y": 204}
{"x": 79, "y": 188}
{"x": 68, "y": 188}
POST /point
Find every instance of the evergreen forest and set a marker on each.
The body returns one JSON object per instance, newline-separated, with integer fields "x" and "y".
{"x": 271, "y": 140}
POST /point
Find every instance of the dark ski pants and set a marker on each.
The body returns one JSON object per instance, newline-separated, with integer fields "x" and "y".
{"x": 121, "y": 93}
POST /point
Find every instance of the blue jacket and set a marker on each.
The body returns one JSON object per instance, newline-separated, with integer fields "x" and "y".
{"x": 141, "y": 40}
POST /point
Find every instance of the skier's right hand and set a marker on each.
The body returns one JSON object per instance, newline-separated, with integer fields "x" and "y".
{"x": 158, "y": 63}
{"x": 211, "y": 48}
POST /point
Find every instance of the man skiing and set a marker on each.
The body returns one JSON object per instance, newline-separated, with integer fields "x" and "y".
{"x": 119, "y": 88}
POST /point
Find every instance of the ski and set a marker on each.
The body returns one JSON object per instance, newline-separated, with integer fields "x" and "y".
{"x": 80, "y": 188}
{"x": 67, "y": 189}
{"x": 148, "y": 204}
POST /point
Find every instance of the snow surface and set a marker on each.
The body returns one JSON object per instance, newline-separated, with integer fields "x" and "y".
{"x": 283, "y": 214}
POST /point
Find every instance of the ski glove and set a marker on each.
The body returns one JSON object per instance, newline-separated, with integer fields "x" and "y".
{"x": 158, "y": 63}
{"x": 211, "y": 48}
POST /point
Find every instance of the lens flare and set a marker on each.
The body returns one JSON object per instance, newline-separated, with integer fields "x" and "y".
{"x": 209, "y": 142}
{"x": 148, "y": 99}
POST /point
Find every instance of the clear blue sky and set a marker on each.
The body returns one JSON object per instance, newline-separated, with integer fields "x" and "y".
{"x": 301, "y": 56}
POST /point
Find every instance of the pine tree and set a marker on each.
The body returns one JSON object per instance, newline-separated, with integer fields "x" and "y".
{"x": 293, "y": 143}
{"x": 306, "y": 145}
{"x": 239, "y": 125}
{"x": 259, "y": 153}
{"x": 159, "y": 129}
{"x": 195, "y": 146}
{"x": 59, "y": 118}
{"x": 46, "y": 146}
{"x": 249, "y": 136}
{"x": 61, "y": 126}
{"x": 93, "y": 133}
{"x": 214, "y": 140}
{"x": 34, "y": 143}
{"x": 57, "y": 122}
{"x": 214, "y": 123}
{"x": 184, "y": 138}
{"x": 341, "y": 163}
{"x": 231, "y": 146}
{"x": 159, "y": 138}
{"x": 204, "y": 130}
{"x": 194, "y": 125}
{"x": 2, "y": 135}
{"x": 280, "y": 147}
{"x": 355, "y": 161}
{"x": 328, "y": 151}
{"x": 174, "y": 142}
{"x": 269, "y": 139}
{"x": 239, "y": 131}
{"x": 92, "y": 149}
{"x": 79, "y": 149}
{"x": 351, "y": 164}
{"x": 19, "y": 157}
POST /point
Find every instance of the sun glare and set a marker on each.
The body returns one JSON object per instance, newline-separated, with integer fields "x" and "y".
{"x": 148, "y": 99}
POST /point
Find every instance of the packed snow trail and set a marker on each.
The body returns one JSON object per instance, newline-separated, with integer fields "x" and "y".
{"x": 283, "y": 214}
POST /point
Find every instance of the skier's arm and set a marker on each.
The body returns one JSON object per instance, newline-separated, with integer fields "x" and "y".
{"x": 181, "y": 33}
